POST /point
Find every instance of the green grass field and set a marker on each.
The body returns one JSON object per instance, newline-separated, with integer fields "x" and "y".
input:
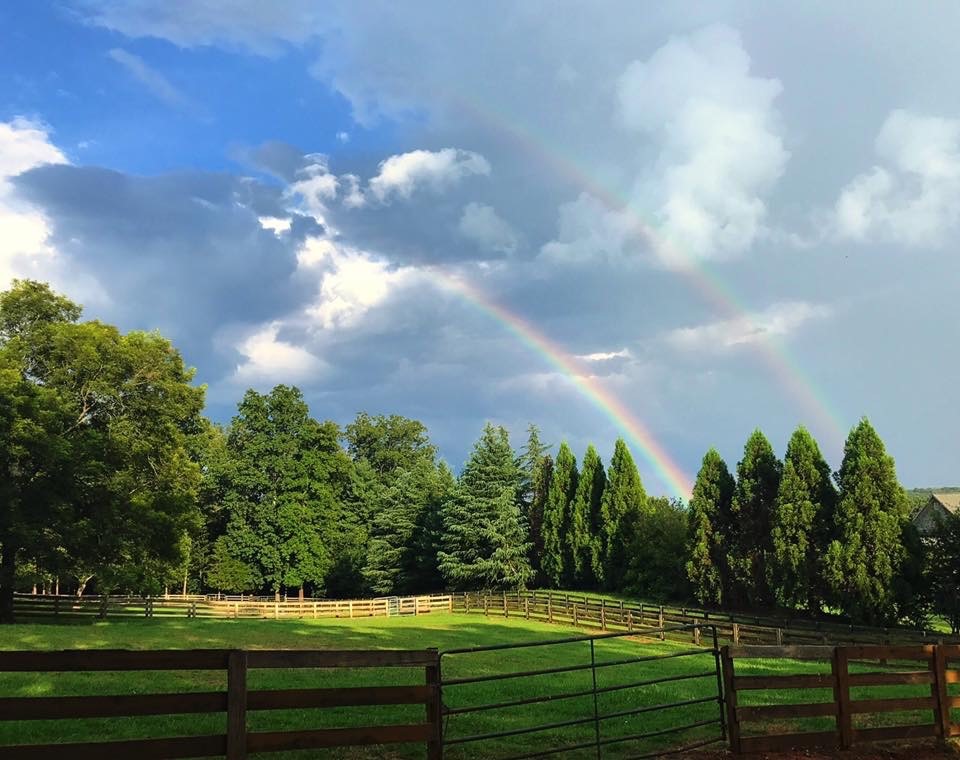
{"x": 438, "y": 630}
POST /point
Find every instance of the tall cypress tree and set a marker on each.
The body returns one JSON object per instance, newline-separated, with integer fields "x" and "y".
{"x": 622, "y": 504}
{"x": 582, "y": 538}
{"x": 758, "y": 480}
{"x": 801, "y": 524}
{"x": 536, "y": 466}
{"x": 556, "y": 518}
{"x": 865, "y": 556}
{"x": 484, "y": 543}
{"x": 709, "y": 519}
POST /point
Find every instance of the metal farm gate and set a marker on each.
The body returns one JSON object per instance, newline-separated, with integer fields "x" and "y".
{"x": 603, "y": 696}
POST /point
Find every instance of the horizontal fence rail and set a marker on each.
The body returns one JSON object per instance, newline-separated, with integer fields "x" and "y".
{"x": 607, "y": 615}
{"x": 236, "y": 701}
{"x": 846, "y": 698}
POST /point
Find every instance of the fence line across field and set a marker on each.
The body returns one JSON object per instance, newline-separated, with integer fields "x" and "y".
{"x": 571, "y": 609}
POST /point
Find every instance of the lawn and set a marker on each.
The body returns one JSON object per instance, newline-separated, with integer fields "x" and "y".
{"x": 437, "y": 630}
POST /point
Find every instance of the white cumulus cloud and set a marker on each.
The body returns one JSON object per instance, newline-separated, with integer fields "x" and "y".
{"x": 25, "y": 250}
{"x": 912, "y": 197}
{"x": 780, "y": 319}
{"x": 402, "y": 174}
{"x": 721, "y": 150}
{"x": 605, "y": 356}
{"x": 351, "y": 282}
{"x": 267, "y": 359}
{"x": 484, "y": 226}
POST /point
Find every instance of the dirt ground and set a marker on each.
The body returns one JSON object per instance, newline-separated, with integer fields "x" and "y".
{"x": 887, "y": 751}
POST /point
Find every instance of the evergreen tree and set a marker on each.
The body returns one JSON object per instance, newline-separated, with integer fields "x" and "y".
{"x": 556, "y": 561}
{"x": 801, "y": 524}
{"x": 709, "y": 517}
{"x": 622, "y": 504}
{"x": 863, "y": 559}
{"x": 535, "y": 466}
{"x": 944, "y": 571}
{"x": 484, "y": 542}
{"x": 583, "y": 534}
{"x": 749, "y": 544}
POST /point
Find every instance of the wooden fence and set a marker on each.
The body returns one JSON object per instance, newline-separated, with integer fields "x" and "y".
{"x": 854, "y": 717}
{"x": 29, "y": 606}
{"x": 236, "y": 741}
{"x": 596, "y": 612}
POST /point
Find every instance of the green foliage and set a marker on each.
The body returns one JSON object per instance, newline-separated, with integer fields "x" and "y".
{"x": 556, "y": 560}
{"x": 286, "y": 491}
{"x": 656, "y": 568}
{"x": 801, "y": 524}
{"x": 536, "y": 468}
{"x": 622, "y": 504}
{"x": 583, "y": 534}
{"x": 226, "y": 573}
{"x": 863, "y": 559}
{"x": 709, "y": 521}
{"x": 944, "y": 571}
{"x": 748, "y": 541}
{"x": 484, "y": 541}
{"x": 100, "y": 482}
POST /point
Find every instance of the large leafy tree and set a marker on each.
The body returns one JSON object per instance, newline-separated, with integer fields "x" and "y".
{"x": 583, "y": 535}
{"x": 801, "y": 524}
{"x": 749, "y": 546}
{"x": 556, "y": 560}
{"x": 709, "y": 521}
{"x": 484, "y": 541}
{"x": 98, "y": 481}
{"x": 656, "y": 565}
{"x": 287, "y": 491}
{"x": 623, "y": 503}
{"x": 863, "y": 559}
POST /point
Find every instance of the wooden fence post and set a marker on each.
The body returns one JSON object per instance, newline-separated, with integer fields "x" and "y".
{"x": 505, "y": 613}
{"x": 630, "y": 620}
{"x": 696, "y": 635}
{"x": 104, "y": 601}
{"x": 486, "y": 605}
{"x": 730, "y": 700}
{"x": 603, "y": 615}
{"x": 237, "y": 705}
{"x": 621, "y": 612}
{"x": 549, "y": 608}
{"x": 663, "y": 636}
{"x": 736, "y": 633}
{"x": 779, "y": 637}
{"x": 526, "y": 607}
{"x": 841, "y": 674}
{"x": 434, "y": 712}
{"x": 642, "y": 620}
{"x": 574, "y": 614}
{"x": 940, "y": 697}
{"x": 56, "y": 603}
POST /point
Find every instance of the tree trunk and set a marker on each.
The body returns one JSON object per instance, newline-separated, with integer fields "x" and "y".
{"x": 185, "y": 582}
{"x": 7, "y": 576}
{"x": 83, "y": 584}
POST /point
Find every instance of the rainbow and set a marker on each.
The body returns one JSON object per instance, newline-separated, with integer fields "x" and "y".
{"x": 666, "y": 470}
{"x": 719, "y": 295}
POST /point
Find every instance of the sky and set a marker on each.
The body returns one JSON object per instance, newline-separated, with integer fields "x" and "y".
{"x": 674, "y": 222}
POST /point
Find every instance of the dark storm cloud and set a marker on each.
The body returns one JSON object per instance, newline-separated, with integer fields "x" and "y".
{"x": 183, "y": 252}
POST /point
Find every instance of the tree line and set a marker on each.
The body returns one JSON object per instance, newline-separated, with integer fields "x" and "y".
{"x": 115, "y": 481}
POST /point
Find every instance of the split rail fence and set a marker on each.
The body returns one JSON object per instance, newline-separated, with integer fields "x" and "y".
{"x": 738, "y": 629}
{"x": 862, "y": 698}
{"x": 236, "y": 701}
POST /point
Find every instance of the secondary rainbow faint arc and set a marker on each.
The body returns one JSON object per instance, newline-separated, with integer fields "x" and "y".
{"x": 707, "y": 283}
{"x": 666, "y": 470}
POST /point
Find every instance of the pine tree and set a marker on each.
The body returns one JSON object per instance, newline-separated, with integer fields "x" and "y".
{"x": 623, "y": 502}
{"x": 709, "y": 519}
{"x": 535, "y": 467}
{"x": 866, "y": 554}
{"x": 758, "y": 479}
{"x": 802, "y": 519}
{"x": 582, "y": 537}
{"x": 484, "y": 542}
{"x": 556, "y": 518}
